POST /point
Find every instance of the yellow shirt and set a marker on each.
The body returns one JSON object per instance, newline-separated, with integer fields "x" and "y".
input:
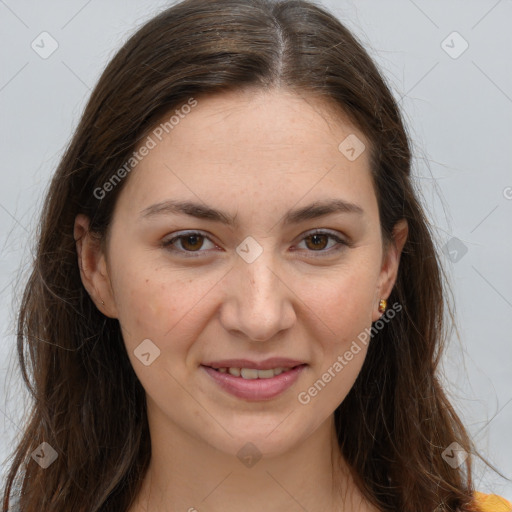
{"x": 491, "y": 503}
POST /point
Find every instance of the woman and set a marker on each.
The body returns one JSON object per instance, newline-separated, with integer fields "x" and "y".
{"x": 236, "y": 302}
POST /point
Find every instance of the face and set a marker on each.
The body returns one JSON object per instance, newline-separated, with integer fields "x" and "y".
{"x": 281, "y": 257}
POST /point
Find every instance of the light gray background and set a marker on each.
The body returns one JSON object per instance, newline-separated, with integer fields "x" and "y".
{"x": 459, "y": 111}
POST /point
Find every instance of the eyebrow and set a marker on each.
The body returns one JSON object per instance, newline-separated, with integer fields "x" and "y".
{"x": 202, "y": 211}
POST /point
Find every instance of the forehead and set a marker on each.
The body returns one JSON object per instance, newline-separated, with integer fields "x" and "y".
{"x": 252, "y": 143}
{"x": 251, "y": 120}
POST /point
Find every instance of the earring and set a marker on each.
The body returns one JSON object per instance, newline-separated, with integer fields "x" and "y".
{"x": 102, "y": 303}
{"x": 383, "y": 303}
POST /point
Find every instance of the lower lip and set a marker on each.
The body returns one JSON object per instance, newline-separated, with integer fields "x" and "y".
{"x": 255, "y": 389}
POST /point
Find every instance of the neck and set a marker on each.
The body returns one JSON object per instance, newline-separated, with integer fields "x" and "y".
{"x": 188, "y": 474}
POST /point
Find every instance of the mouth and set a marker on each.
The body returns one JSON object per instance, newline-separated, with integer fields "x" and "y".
{"x": 253, "y": 373}
{"x": 254, "y": 384}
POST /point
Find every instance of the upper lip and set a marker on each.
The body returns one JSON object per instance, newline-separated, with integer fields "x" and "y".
{"x": 267, "y": 364}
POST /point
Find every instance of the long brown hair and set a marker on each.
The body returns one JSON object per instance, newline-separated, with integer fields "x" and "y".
{"x": 88, "y": 404}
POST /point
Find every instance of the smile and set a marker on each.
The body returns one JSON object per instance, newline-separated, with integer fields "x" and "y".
{"x": 253, "y": 373}
{"x": 254, "y": 384}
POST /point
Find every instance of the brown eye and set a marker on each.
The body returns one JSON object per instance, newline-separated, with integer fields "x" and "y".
{"x": 192, "y": 242}
{"x": 188, "y": 243}
{"x": 317, "y": 242}
{"x": 324, "y": 243}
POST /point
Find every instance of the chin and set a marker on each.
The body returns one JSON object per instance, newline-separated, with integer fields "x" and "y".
{"x": 253, "y": 442}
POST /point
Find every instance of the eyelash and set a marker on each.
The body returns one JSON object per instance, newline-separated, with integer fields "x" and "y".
{"x": 195, "y": 254}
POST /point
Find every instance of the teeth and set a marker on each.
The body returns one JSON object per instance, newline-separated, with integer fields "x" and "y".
{"x": 252, "y": 373}
{"x": 234, "y": 371}
{"x": 261, "y": 374}
{"x": 249, "y": 373}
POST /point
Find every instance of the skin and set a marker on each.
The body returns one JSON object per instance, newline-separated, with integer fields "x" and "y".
{"x": 239, "y": 152}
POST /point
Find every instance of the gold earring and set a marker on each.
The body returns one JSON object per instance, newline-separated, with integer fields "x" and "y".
{"x": 383, "y": 304}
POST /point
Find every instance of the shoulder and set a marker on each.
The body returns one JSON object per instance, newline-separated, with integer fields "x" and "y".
{"x": 490, "y": 503}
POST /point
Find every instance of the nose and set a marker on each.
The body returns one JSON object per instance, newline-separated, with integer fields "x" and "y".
{"x": 258, "y": 301}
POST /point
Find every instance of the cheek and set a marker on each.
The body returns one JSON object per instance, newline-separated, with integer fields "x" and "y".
{"x": 157, "y": 309}
{"x": 157, "y": 303}
{"x": 343, "y": 308}
{"x": 343, "y": 301}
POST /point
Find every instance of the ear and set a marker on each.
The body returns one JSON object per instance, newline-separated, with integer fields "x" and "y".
{"x": 390, "y": 263}
{"x": 93, "y": 267}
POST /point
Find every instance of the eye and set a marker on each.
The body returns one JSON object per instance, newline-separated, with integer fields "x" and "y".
{"x": 190, "y": 242}
{"x": 323, "y": 242}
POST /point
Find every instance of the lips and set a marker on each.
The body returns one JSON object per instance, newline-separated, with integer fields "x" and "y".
{"x": 267, "y": 364}
{"x": 252, "y": 380}
{"x": 251, "y": 373}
